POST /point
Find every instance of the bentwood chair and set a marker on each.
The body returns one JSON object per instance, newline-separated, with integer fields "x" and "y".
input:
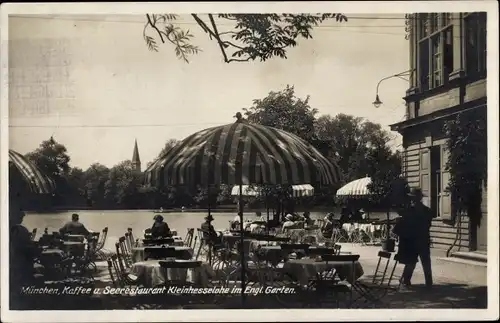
{"x": 372, "y": 292}
{"x": 188, "y": 240}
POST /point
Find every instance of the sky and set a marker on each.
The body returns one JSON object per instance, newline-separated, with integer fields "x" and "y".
{"x": 91, "y": 82}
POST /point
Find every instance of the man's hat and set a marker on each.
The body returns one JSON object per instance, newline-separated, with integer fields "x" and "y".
{"x": 158, "y": 217}
{"x": 416, "y": 192}
{"x": 209, "y": 217}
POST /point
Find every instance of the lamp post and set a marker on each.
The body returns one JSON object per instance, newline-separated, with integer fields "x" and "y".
{"x": 377, "y": 103}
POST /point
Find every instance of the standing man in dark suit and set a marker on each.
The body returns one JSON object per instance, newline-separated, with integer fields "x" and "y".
{"x": 418, "y": 221}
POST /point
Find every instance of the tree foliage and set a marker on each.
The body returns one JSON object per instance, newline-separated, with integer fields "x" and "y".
{"x": 467, "y": 162}
{"x": 283, "y": 110}
{"x": 253, "y": 36}
{"x": 354, "y": 144}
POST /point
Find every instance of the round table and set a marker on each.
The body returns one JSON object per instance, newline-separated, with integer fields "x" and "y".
{"x": 306, "y": 268}
{"x": 185, "y": 252}
{"x": 151, "y": 274}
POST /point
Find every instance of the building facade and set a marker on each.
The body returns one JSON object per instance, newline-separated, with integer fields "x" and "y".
{"x": 448, "y": 64}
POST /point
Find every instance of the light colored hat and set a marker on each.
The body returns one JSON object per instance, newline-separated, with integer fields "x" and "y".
{"x": 236, "y": 219}
{"x": 289, "y": 217}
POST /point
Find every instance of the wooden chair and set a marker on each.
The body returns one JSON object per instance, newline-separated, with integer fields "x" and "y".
{"x": 188, "y": 240}
{"x": 373, "y": 291}
{"x": 124, "y": 259}
{"x": 333, "y": 281}
{"x": 203, "y": 247}
{"x": 100, "y": 252}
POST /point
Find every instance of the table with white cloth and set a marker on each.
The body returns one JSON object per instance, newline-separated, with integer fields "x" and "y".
{"x": 366, "y": 227}
{"x": 151, "y": 274}
{"x": 185, "y": 252}
{"x": 306, "y": 268}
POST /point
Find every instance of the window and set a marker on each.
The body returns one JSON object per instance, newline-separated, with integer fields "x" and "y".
{"x": 435, "y": 42}
{"x": 475, "y": 43}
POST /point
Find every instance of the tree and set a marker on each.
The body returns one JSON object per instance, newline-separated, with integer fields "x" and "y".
{"x": 95, "y": 178}
{"x": 52, "y": 159}
{"x": 283, "y": 110}
{"x": 254, "y": 36}
{"x": 122, "y": 185}
{"x": 355, "y": 144}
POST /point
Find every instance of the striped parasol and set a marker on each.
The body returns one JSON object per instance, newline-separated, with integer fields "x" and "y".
{"x": 297, "y": 190}
{"x": 36, "y": 180}
{"x": 242, "y": 154}
{"x": 355, "y": 189}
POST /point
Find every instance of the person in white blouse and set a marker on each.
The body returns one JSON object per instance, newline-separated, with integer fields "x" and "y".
{"x": 289, "y": 223}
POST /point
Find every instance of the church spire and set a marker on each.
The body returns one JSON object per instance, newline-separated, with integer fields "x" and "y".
{"x": 136, "y": 161}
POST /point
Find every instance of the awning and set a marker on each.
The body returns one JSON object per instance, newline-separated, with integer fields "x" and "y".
{"x": 356, "y": 188}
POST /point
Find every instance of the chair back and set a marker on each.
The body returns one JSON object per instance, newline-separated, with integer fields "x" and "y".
{"x": 115, "y": 271}
{"x": 383, "y": 266}
{"x": 188, "y": 240}
{"x": 102, "y": 239}
{"x": 123, "y": 258}
{"x": 160, "y": 253}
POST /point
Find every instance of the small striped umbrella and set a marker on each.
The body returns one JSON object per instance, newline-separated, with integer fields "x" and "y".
{"x": 297, "y": 190}
{"x": 36, "y": 180}
{"x": 355, "y": 189}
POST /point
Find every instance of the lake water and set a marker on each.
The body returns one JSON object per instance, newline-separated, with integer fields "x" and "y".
{"x": 118, "y": 221}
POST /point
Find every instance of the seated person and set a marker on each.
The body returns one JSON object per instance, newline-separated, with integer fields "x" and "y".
{"x": 307, "y": 219}
{"x": 345, "y": 216}
{"x": 328, "y": 226}
{"x": 209, "y": 234}
{"x": 235, "y": 224}
{"x": 289, "y": 223}
{"x": 160, "y": 229}
{"x": 74, "y": 227}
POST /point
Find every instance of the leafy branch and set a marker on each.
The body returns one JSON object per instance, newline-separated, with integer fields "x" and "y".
{"x": 254, "y": 36}
{"x": 168, "y": 32}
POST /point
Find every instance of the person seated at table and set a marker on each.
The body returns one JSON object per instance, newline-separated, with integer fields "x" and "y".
{"x": 74, "y": 227}
{"x": 328, "y": 226}
{"x": 289, "y": 223}
{"x": 235, "y": 224}
{"x": 345, "y": 215}
{"x": 260, "y": 217}
{"x": 306, "y": 217}
{"x": 209, "y": 234}
{"x": 160, "y": 229}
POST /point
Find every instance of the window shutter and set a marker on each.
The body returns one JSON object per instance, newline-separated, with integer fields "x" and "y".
{"x": 425, "y": 179}
{"x": 444, "y": 197}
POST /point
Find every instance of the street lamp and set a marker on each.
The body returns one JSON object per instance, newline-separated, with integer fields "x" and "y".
{"x": 377, "y": 103}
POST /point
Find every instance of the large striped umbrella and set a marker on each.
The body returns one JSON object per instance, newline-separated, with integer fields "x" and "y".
{"x": 242, "y": 154}
{"x": 297, "y": 190}
{"x": 355, "y": 189}
{"x": 36, "y": 180}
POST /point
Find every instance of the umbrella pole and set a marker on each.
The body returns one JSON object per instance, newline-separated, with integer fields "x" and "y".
{"x": 242, "y": 246}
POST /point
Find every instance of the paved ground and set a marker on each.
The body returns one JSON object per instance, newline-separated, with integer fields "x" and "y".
{"x": 455, "y": 285}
